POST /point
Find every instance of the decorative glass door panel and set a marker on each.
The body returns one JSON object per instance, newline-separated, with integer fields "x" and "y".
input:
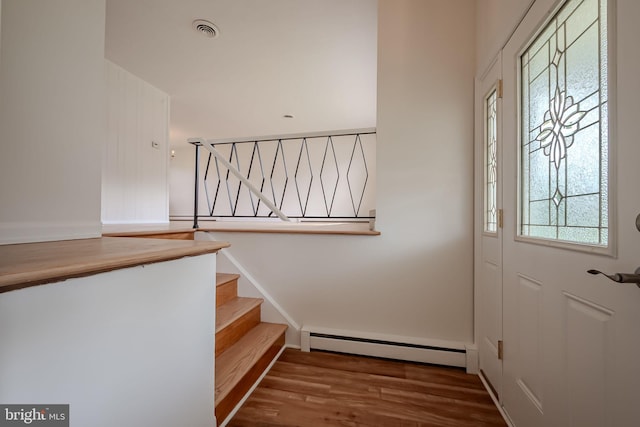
{"x": 490, "y": 162}
{"x": 564, "y": 128}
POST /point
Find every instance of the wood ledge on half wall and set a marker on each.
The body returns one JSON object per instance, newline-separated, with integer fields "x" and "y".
{"x": 29, "y": 264}
{"x": 182, "y": 229}
{"x": 293, "y": 227}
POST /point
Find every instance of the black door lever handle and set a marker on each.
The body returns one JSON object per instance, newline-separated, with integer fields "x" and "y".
{"x": 621, "y": 277}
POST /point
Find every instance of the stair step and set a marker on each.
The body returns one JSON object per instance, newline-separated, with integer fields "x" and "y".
{"x": 238, "y": 368}
{"x": 226, "y": 287}
{"x": 234, "y": 319}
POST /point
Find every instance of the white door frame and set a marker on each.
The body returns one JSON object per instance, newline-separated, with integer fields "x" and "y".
{"x": 488, "y": 246}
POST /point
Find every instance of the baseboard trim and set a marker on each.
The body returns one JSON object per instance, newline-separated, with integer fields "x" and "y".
{"x": 473, "y": 361}
{"x": 351, "y": 342}
{"x": 383, "y": 342}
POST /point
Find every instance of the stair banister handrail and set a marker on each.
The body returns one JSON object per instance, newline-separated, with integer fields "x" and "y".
{"x": 289, "y": 136}
{"x": 255, "y": 190}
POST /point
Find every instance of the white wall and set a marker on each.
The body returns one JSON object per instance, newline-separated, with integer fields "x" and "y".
{"x": 132, "y": 347}
{"x": 52, "y": 119}
{"x": 181, "y": 181}
{"x": 134, "y": 175}
{"x": 495, "y": 21}
{"x": 425, "y": 158}
{"x": 415, "y": 280}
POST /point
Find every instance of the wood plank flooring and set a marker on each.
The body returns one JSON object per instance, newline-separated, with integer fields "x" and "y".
{"x": 319, "y": 389}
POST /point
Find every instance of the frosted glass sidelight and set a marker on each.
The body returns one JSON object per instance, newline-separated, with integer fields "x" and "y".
{"x": 563, "y": 192}
{"x": 490, "y": 164}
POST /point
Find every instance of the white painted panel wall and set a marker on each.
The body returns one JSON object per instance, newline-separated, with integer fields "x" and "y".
{"x": 136, "y": 152}
{"x": 132, "y": 347}
{"x": 52, "y": 116}
{"x": 415, "y": 280}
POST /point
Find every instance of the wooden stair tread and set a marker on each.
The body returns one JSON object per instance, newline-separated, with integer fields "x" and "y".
{"x": 244, "y": 347}
{"x": 233, "y": 364}
{"x": 234, "y": 319}
{"x": 231, "y": 311}
{"x": 223, "y": 278}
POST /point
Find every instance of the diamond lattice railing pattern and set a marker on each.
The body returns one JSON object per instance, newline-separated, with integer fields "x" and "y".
{"x": 313, "y": 176}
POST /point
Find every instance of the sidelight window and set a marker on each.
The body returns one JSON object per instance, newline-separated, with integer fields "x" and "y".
{"x": 490, "y": 162}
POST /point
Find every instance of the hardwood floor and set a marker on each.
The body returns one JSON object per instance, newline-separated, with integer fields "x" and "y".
{"x": 325, "y": 389}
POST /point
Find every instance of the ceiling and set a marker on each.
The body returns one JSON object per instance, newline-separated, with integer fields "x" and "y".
{"x": 313, "y": 59}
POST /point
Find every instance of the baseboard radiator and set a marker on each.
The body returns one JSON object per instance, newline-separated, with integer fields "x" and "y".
{"x": 449, "y": 354}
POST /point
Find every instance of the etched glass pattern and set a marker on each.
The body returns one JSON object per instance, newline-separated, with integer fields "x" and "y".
{"x": 564, "y": 128}
{"x": 490, "y": 164}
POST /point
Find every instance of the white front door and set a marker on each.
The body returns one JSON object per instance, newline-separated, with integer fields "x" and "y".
{"x": 488, "y": 238}
{"x": 571, "y": 340}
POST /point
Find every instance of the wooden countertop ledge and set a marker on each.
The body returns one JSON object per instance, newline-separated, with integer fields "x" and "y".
{"x": 30, "y": 264}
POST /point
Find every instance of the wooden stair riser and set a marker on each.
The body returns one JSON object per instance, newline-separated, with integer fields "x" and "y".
{"x": 226, "y": 289}
{"x": 228, "y": 336}
{"x": 226, "y": 292}
{"x": 245, "y": 346}
{"x": 226, "y": 405}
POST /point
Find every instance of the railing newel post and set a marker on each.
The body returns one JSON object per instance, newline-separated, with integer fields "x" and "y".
{"x": 196, "y": 192}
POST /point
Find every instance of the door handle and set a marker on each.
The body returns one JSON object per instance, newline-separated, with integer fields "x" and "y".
{"x": 621, "y": 277}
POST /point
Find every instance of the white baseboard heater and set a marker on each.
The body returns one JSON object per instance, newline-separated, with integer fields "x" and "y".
{"x": 390, "y": 347}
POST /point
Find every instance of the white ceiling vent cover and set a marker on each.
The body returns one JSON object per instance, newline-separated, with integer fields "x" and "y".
{"x": 206, "y": 28}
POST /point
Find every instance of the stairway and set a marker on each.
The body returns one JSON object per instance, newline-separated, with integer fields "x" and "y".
{"x": 245, "y": 346}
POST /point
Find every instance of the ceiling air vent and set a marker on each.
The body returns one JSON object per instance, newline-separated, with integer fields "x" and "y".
{"x": 206, "y": 28}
